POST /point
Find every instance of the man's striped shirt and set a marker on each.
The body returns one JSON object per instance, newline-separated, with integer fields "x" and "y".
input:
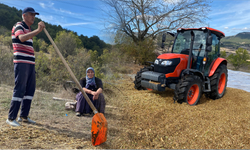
{"x": 23, "y": 51}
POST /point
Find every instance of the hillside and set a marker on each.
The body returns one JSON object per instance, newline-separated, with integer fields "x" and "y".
{"x": 243, "y": 35}
{"x": 136, "y": 120}
{"x": 239, "y": 40}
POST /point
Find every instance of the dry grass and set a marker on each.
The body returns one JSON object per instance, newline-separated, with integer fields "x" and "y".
{"x": 154, "y": 121}
{"x": 54, "y": 129}
{"x": 136, "y": 120}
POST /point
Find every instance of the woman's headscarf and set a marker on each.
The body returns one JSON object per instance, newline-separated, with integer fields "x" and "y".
{"x": 90, "y": 81}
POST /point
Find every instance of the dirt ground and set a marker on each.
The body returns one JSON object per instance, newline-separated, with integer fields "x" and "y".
{"x": 136, "y": 120}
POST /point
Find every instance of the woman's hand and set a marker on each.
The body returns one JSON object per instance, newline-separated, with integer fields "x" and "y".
{"x": 95, "y": 95}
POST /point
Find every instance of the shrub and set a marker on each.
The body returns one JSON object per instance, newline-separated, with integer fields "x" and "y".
{"x": 43, "y": 72}
{"x": 7, "y": 41}
{"x": 6, "y": 67}
{"x": 223, "y": 54}
{"x": 239, "y": 59}
{"x": 79, "y": 63}
{"x": 67, "y": 42}
{"x": 140, "y": 52}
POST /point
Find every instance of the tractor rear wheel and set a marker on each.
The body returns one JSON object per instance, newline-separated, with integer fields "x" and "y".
{"x": 189, "y": 89}
{"x": 137, "y": 81}
{"x": 218, "y": 82}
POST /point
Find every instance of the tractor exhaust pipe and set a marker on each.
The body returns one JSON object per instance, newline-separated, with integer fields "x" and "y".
{"x": 191, "y": 49}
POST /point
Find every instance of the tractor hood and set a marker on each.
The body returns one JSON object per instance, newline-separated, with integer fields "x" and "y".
{"x": 171, "y": 64}
{"x": 172, "y": 56}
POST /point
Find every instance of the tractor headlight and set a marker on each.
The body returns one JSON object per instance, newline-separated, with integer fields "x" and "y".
{"x": 166, "y": 63}
{"x": 156, "y": 61}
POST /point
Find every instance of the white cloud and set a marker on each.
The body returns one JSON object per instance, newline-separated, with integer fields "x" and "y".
{"x": 50, "y": 5}
{"x": 43, "y": 5}
{"x": 61, "y": 21}
{"x": 75, "y": 24}
{"x": 226, "y": 28}
{"x": 65, "y": 11}
{"x": 48, "y": 18}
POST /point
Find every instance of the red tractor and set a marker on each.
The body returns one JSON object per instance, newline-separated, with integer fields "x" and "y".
{"x": 192, "y": 68}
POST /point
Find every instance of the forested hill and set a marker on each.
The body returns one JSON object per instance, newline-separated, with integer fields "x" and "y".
{"x": 10, "y": 15}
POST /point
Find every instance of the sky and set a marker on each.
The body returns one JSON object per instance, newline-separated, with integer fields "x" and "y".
{"x": 86, "y": 16}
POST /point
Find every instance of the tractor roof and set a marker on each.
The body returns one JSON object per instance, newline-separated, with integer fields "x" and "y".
{"x": 214, "y": 31}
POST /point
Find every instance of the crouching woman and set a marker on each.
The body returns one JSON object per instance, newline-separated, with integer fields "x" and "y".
{"x": 92, "y": 86}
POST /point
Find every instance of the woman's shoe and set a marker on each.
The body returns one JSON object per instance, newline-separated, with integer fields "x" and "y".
{"x": 88, "y": 115}
{"x": 78, "y": 114}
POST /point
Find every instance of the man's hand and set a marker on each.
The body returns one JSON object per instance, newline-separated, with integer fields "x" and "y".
{"x": 41, "y": 26}
{"x": 25, "y": 37}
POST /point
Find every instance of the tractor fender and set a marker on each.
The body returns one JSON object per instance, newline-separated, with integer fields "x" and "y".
{"x": 216, "y": 64}
{"x": 194, "y": 72}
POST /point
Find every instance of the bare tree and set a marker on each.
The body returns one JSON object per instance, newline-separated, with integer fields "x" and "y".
{"x": 140, "y": 19}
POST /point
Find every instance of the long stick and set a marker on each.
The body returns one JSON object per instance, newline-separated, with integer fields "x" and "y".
{"x": 71, "y": 73}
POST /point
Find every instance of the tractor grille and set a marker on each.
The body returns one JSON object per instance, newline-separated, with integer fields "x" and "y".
{"x": 166, "y": 69}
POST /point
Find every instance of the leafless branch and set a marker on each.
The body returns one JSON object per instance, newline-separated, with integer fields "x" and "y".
{"x": 140, "y": 19}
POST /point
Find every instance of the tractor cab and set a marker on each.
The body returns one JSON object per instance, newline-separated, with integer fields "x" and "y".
{"x": 205, "y": 46}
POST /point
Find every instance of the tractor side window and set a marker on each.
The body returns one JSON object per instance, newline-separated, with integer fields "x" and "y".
{"x": 214, "y": 53}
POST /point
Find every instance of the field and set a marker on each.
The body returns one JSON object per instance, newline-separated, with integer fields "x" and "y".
{"x": 136, "y": 120}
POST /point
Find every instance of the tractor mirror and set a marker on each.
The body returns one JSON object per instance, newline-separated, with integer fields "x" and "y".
{"x": 163, "y": 37}
{"x": 209, "y": 40}
{"x": 162, "y": 45}
{"x": 172, "y": 34}
{"x": 209, "y": 49}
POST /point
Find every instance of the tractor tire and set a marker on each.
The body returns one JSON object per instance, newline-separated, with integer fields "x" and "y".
{"x": 218, "y": 83}
{"x": 189, "y": 90}
{"x": 137, "y": 81}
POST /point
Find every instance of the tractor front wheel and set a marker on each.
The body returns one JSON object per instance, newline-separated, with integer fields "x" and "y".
{"x": 218, "y": 82}
{"x": 189, "y": 89}
{"x": 137, "y": 81}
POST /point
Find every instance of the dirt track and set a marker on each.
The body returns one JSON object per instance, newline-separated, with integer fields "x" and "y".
{"x": 136, "y": 120}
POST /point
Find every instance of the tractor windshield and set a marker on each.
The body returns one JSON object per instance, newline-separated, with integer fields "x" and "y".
{"x": 183, "y": 41}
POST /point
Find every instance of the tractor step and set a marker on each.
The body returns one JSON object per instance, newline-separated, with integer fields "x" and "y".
{"x": 206, "y": 85}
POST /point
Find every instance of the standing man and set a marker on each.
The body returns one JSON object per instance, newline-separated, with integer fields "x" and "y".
{"x": 24, "y": 67}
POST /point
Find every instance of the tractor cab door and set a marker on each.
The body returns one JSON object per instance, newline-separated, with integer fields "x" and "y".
{"x": 211, "y": 56}
{"x": 183, "y": 42}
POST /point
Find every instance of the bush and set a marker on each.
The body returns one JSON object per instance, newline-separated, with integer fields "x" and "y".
{"x": 67, "y": 43}
{"x": 6, "y": 67}
{"x": 7, "y": 41}
{"x": 79, "y": 63}
{"x": 39, "y": 45}
{"x": 239, "y": 59}
{"x": 223, "y": 54}
{"x": 43, "y": 72}
{"x": 140, "y": 52}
